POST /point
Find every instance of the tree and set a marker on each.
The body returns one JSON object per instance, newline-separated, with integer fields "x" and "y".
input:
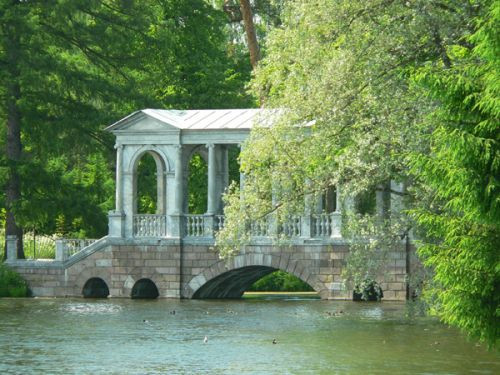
{"x": 347, "y": 78}
{"x": 462, "y": 175}
{"x": 253, "y": 46}
{"x": 73, "y": 67}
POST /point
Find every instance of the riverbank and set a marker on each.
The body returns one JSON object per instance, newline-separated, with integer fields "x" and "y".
{"x": 281, "y": 295}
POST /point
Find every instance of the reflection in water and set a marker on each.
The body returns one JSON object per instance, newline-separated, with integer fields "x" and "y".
{"x": 61, "y": 336}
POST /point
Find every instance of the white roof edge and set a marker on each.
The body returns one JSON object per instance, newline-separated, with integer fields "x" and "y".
{"x": 203, "y": 119}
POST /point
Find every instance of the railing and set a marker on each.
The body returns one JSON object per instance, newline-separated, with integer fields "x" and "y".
{"x": 219, "y": 222}
{"x": 326, "y": 225}
{"x": 71, "y": 246}
{"x": 195, "y": 225}
{"x": 292, "y": 227}
{"x": 260, "y": 228}
{"x": 150, "y": 225}
{"x": 321, "y": 225}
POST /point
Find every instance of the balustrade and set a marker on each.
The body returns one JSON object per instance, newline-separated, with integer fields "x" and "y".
{"x": 150, "y": 225}
{"x": 321, "y": 225}
{"x": 292, "y": 227}
{"x": 67, "y": 247}
{"x": 195, "y": 225}
{"x": 219, "y": 222}
{"x": 260, "y": 228}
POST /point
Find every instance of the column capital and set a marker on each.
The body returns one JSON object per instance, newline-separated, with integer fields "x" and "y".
{"x": 118, "y": 146}
{"x": 210, "y": 145}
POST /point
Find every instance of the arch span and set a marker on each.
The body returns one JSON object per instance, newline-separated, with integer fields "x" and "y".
{"x": 160, "y": 158}
{"x": 95, "y": 287}
{"x": 144, "y": 289}
{"x": 230, "y": 279}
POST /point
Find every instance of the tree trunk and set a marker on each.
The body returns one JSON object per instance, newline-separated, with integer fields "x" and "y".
{"x": 14, "y": 146}
{"x": 253, "y": 46}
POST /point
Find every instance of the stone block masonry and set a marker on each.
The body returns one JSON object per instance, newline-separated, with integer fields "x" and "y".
{"x": 195, "y": 271}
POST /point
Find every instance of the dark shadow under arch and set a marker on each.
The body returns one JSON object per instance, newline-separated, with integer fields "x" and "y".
{"x": 95, "y": 288}
{"x": 144, "y": 289}
{"x": 233, "y": 283}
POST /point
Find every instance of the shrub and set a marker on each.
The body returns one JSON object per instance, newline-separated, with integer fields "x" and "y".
{"x": 368, "y": 290}
{"x": 11, "y": 283}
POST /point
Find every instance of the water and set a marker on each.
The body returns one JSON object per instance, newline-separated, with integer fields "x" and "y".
{"x": 79, "y": 336}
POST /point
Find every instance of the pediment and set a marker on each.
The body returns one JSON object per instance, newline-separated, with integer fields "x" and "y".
{"x": 140, "y": 122}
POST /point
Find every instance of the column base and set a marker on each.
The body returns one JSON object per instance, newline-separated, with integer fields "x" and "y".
{"x": 116, "y": 224}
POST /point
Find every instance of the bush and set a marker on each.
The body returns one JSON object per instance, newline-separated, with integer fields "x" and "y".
{"x": 280, "y": 281}
{"x": 368, "y": 290}
{"x": 11, "y": 283}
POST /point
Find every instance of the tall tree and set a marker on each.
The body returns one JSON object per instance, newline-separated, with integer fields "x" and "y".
{"x": 74, "y": 66}
{"x": 253, "y": 46}
{"x": 350, "y": 70}
{"x": 462, "y": 173}
{"x": 13, "y": 29}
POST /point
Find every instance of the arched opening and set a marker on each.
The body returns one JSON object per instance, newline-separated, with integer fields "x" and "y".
{"x": 329, "y": 200}
{"x": 197, "y": 185}
{"x": 149, "y": 184}
{"x": 95, "y": 288}
{"x": 233, "y": 154}
{"x": 234, "y": 283}
{"x": 144, "y": 289}
{"x": 365, "y": 203}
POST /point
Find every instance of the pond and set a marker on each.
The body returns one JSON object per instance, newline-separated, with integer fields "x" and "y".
{"x": 122, "y": 336}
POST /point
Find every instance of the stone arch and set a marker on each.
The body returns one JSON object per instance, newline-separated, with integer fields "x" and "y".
{"x": 229, "y": 279}
{"x": 162, "y": 168}
{"x": 200, "y": 198}
{"x": 92, "y": 273}
{"x": 139, "y": 273}
{"x": 144, "y": 289}
{"x": 95, "y": 287}
{"x": 134, "y": 160}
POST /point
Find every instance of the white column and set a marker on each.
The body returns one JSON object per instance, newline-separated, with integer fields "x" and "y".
{"x": 338, "y": 202}
{"x": 11, "y": 245}
{"x": 119, "y": 183}
{"x": 179, "y": 191}
{"x": 307, "y": 222}
{"x": 336, "y": 217}
{"x": 224, "y": 169}
{"x": 398, "y": 190}
{"x": 212, "y": 183}
{"x": 242, "y": 175}
{"x": 382, "y": 200}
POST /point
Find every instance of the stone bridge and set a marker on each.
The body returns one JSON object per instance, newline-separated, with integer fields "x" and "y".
{"x": 171, "y": 253}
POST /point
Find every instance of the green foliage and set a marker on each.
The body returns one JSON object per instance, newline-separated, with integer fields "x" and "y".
{"x": 147, "y": 185}
{"x": 280, "y": 281}
{"x": 462, "y": 172}
{"x": 377, "y": 88}
{"x": 82, "y": 65}
{"x": 197, "y": 185}
{"x": 11, "y": 284}
{"x": 368, "y": 290}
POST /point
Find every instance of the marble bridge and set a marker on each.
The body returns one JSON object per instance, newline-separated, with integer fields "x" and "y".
{"x": 171, "y": 253}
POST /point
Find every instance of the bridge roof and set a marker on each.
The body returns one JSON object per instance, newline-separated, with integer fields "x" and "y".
{"x": 199, "y": 119}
